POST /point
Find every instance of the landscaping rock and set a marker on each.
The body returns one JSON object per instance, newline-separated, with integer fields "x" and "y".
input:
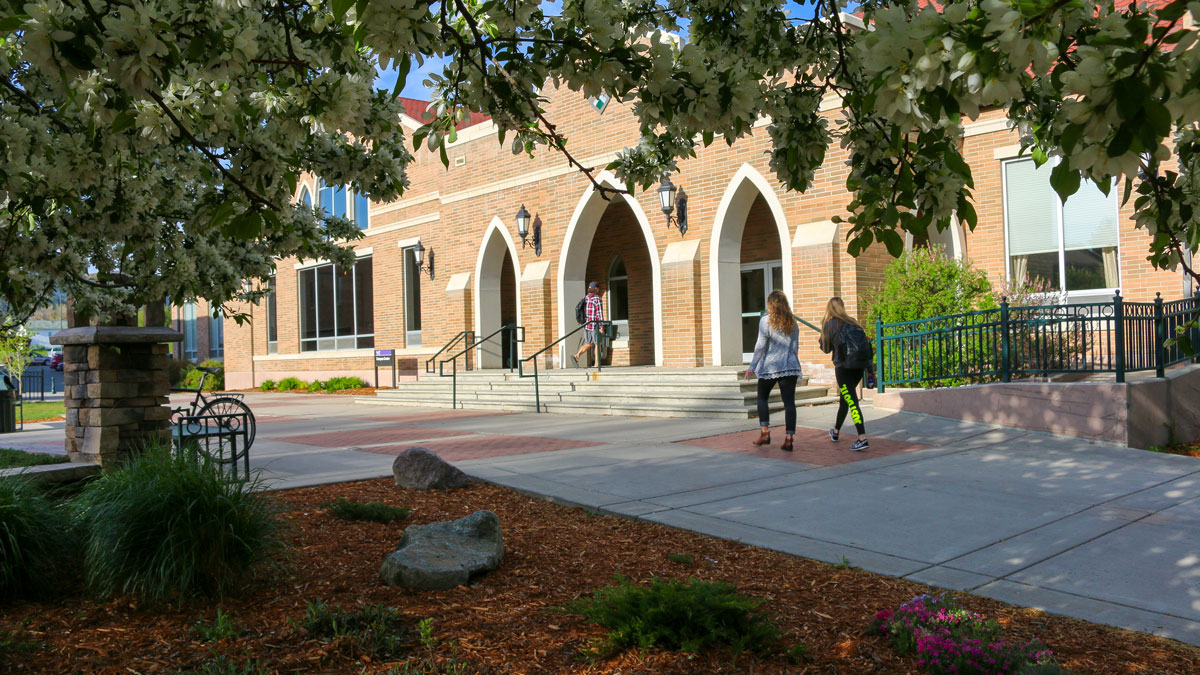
{"x": 439, "y": 556}
{"x": 419, "y": 468}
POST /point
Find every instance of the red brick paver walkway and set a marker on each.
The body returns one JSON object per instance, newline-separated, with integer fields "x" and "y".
{"x": 432, "y": 416}
{"x": 812, "y": 446}
{"x": 482, "y": 447}
{"x": 349, "y": 438}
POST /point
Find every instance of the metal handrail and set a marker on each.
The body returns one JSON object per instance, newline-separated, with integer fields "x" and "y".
{"x": 470, "y": 334}
{"x": 453, "y": 360}
{"x": 537, "y": 394}
{"x": 806, "y": 323}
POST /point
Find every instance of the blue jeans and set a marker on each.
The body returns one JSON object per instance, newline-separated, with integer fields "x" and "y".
{"x": 787, "y": 391}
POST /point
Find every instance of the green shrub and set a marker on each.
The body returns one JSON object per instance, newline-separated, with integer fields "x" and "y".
{"x": 214, "y": 381}
{"x": 376, "y": 512}
{"x": 35, "y": 539}
{"x": 290, "y": 383}
{"x": 375, "y": 630}
{"x": 682, "y": 559}
{"x": 341, "y": 383}
{"x": 223, "y": 664}
{"x": 167, "y": 528}
{"x": 176, "y": 369}
{"x": 222, "y": 627}
{"x": 315, "y": 385}
{"x": 267, "y": 385}
{"x": 687, "y": 616}
{"x": 10, "y": 458}
{"x": 925, "y": 283}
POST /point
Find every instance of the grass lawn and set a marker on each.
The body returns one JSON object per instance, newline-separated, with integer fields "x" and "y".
{"x": 10, "y": 458}
{"x": 44, "y": 410}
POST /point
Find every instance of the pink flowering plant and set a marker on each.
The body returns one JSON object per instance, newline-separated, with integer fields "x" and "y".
{"x": 950, "y": 639}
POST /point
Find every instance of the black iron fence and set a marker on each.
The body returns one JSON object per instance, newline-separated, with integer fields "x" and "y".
{"x": 34, "y": 385}
{"x": 999, "y": 344}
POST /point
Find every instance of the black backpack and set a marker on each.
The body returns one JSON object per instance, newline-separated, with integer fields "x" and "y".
{"x": 581, "y": 311}
{"x": 857, "y": 351}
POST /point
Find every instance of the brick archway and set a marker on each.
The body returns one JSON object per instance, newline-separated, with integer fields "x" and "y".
{"x": 491, "y": 288}
{"x": 572, "y": 266}
{"x": 725, "y": 259}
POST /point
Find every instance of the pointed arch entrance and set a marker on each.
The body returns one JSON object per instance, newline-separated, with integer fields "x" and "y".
{"x": 746, "y": 261}
{"x": 589, "y": 251}
{"x": 497, "y": 298}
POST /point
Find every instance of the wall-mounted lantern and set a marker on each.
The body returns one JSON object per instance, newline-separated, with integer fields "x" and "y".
{"x": 523, "y": 229}
{"x": 423, "y": 265}
{"x": 669, "y": 202}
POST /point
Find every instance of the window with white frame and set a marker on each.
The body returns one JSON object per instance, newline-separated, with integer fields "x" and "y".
{"x": 272, "y": 321}
{"x": 618, "y": 297}
{"x": 190, "y": 349}
{"x": 412, "y": 299}
{"x": 339, "y": 200}
{"x": 337, "y": 307}
{"x": 216, "y": 335}
{"x": 1070, "y": 247}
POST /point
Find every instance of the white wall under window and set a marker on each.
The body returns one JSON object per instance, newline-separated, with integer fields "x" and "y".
{"x": 1070, "y": 247}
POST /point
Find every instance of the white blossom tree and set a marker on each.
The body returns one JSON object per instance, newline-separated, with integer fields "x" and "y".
{"x": 167, "y": 135}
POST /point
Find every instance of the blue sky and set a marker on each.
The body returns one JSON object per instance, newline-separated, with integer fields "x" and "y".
{"x": 413, "y": 87}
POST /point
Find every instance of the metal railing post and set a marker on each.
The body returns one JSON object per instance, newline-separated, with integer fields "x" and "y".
{"x": 1196, "y": 325}
{"x": 1119, "y": 318}
{"x": 1005, "y": 369}
{"x": 1160, "y": 337}
{"x": 880, "y": 367}
{"x": 537, "y": 392}
{"x": 454, "y": 386}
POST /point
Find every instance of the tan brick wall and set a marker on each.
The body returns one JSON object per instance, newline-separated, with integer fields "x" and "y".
{"x": 450, "y": 210}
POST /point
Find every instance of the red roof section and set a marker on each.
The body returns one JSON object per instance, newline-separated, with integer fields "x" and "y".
{"x": 417, "y": 109}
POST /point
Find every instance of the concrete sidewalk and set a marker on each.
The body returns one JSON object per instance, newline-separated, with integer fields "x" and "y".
{"x": 1107, "y": 534}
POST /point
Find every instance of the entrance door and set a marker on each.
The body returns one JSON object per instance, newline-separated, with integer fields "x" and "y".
{"x": 758, "y": 280}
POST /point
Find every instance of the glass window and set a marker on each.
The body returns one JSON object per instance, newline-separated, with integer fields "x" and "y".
{"x": 362, "y": 211}
{"x": 272, "y": 321}
{"x": 412, "y": 300}
{"x": 618, "y": 295}
{"x": 335, "y": 307}
{"x": 216, "y": 335}
{"x": 190, "y": 349}
{"x": 1064, "y": 247}
{"x": 305, "y": 197}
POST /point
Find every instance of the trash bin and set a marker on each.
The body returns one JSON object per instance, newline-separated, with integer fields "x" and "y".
{"x": 8, "y": 405}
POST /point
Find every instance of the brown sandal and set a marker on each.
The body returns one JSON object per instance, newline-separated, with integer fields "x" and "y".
{"x": 764, "y": 438}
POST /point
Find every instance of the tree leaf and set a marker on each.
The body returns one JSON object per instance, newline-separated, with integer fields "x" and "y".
{"x": 221, "y": 214}
{"x": 1120, "y": 142}
{"x": 10, "y": 23}
{"x": 339, "y": 8}
{"x": 1064, "y": 180}
{"x": 123, "y": 121}
{"x": 244, "y": 227}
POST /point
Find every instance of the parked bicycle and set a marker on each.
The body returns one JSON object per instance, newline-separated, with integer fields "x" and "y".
{"x": 229, "y": 406}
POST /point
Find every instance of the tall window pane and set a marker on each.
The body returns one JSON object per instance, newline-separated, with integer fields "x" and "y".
{"x": 308, "y": 306}
{"x": 344, "y": 280}
{"x": 362, "y": 210}
{"x": 412, "y": 298}
{"x": 364, "y": 303}
{"x": 325, "y": 198}
{"x": 189, "y": 331}
{"x": 1090, "y": 239}
{"x": 325, "y": 301}
{"x": 272, "y": 321}
{"x": 216, "y": 335}
{"x": 1033, "y": 242}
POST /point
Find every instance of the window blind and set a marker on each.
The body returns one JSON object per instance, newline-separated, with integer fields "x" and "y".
{"x": 1090, "y": 218}
{"x": 1032, "y": 209}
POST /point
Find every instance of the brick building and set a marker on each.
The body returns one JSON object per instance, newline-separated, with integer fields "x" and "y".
{"x": 203, "y": 334}
{"x": 679, "y": 300}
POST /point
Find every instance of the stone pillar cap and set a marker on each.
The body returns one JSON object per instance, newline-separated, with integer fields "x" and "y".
{"x": 105, "y": 335}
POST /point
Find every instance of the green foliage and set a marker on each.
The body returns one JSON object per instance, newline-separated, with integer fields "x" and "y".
{"x": 267, "y": 385}
{"x": 10, "y": 458}
{"x": 315, "y": 385}
{"x": 798, "y": 654}
{"x": 13, "y": 646}
{"x": 687, "y": 616}
{"x": 373, "y": 630}
{"x": 925, "y": 283}
{"x": 290, "y": 383}
{"x": 176, "y": 369}
{"x": 341, "y": 383}
{"x": 428, "y": 663}
{"x": 214, "y": 382}
{"x": 36, "y": 539}
{"x": 222, "y": 627}
{"x": 223, "y": 664}
{"x": 682, "y": 559}
{"x": 843, "y": 563}
{"x": 376, "y": 512}
{"x": 167, "y": 528}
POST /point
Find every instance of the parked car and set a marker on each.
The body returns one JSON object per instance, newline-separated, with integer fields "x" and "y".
{"x": 41, "y": 360}
{"x": 57, "y": 362}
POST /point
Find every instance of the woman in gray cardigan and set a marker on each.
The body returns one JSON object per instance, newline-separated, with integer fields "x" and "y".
{"x": 776, "y": 361}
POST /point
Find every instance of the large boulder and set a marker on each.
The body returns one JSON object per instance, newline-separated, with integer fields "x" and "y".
{"x": 419, "y": 468}
{"x": 439, "y": 556}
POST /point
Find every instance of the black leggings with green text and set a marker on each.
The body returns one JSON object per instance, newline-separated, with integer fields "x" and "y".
{"x": 847, "y": 384}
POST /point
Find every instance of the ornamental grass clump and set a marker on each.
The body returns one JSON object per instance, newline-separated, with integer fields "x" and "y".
{"x": 950, "y": 639}
{"x": 374, "y": 630}
{"x": 35, "y": 539}
{"x": 376, "y": 512}
{"x": 167, "y": 528}
{"x": 687, "y": 616}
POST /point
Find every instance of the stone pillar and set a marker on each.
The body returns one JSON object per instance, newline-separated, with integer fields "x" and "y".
{"x": 117, "y": 389}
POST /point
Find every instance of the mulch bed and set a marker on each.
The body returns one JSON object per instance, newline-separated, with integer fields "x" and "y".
{"x": 506, "y": 622}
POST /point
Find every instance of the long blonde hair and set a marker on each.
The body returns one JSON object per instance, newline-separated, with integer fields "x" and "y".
{"x": 835, "y": 309}
{"x": 780, "y": 313}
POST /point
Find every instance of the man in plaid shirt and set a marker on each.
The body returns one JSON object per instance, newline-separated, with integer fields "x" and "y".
{"x": 594, "y": 311}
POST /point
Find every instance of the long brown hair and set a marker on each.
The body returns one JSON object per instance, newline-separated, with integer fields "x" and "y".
{"x": 835, "y": 309}
{"x": 780, "y": 312}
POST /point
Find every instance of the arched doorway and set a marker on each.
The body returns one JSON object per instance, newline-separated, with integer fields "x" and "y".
{"x": 600, "y": 233}
{"x": 497, "y": 299}
{"x": 751, "y": 256}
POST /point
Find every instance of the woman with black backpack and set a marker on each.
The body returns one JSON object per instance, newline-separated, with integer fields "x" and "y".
{"x": 853, "y": 356}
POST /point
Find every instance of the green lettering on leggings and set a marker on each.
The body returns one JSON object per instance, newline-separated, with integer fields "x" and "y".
{"x": 855, "y": 415}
